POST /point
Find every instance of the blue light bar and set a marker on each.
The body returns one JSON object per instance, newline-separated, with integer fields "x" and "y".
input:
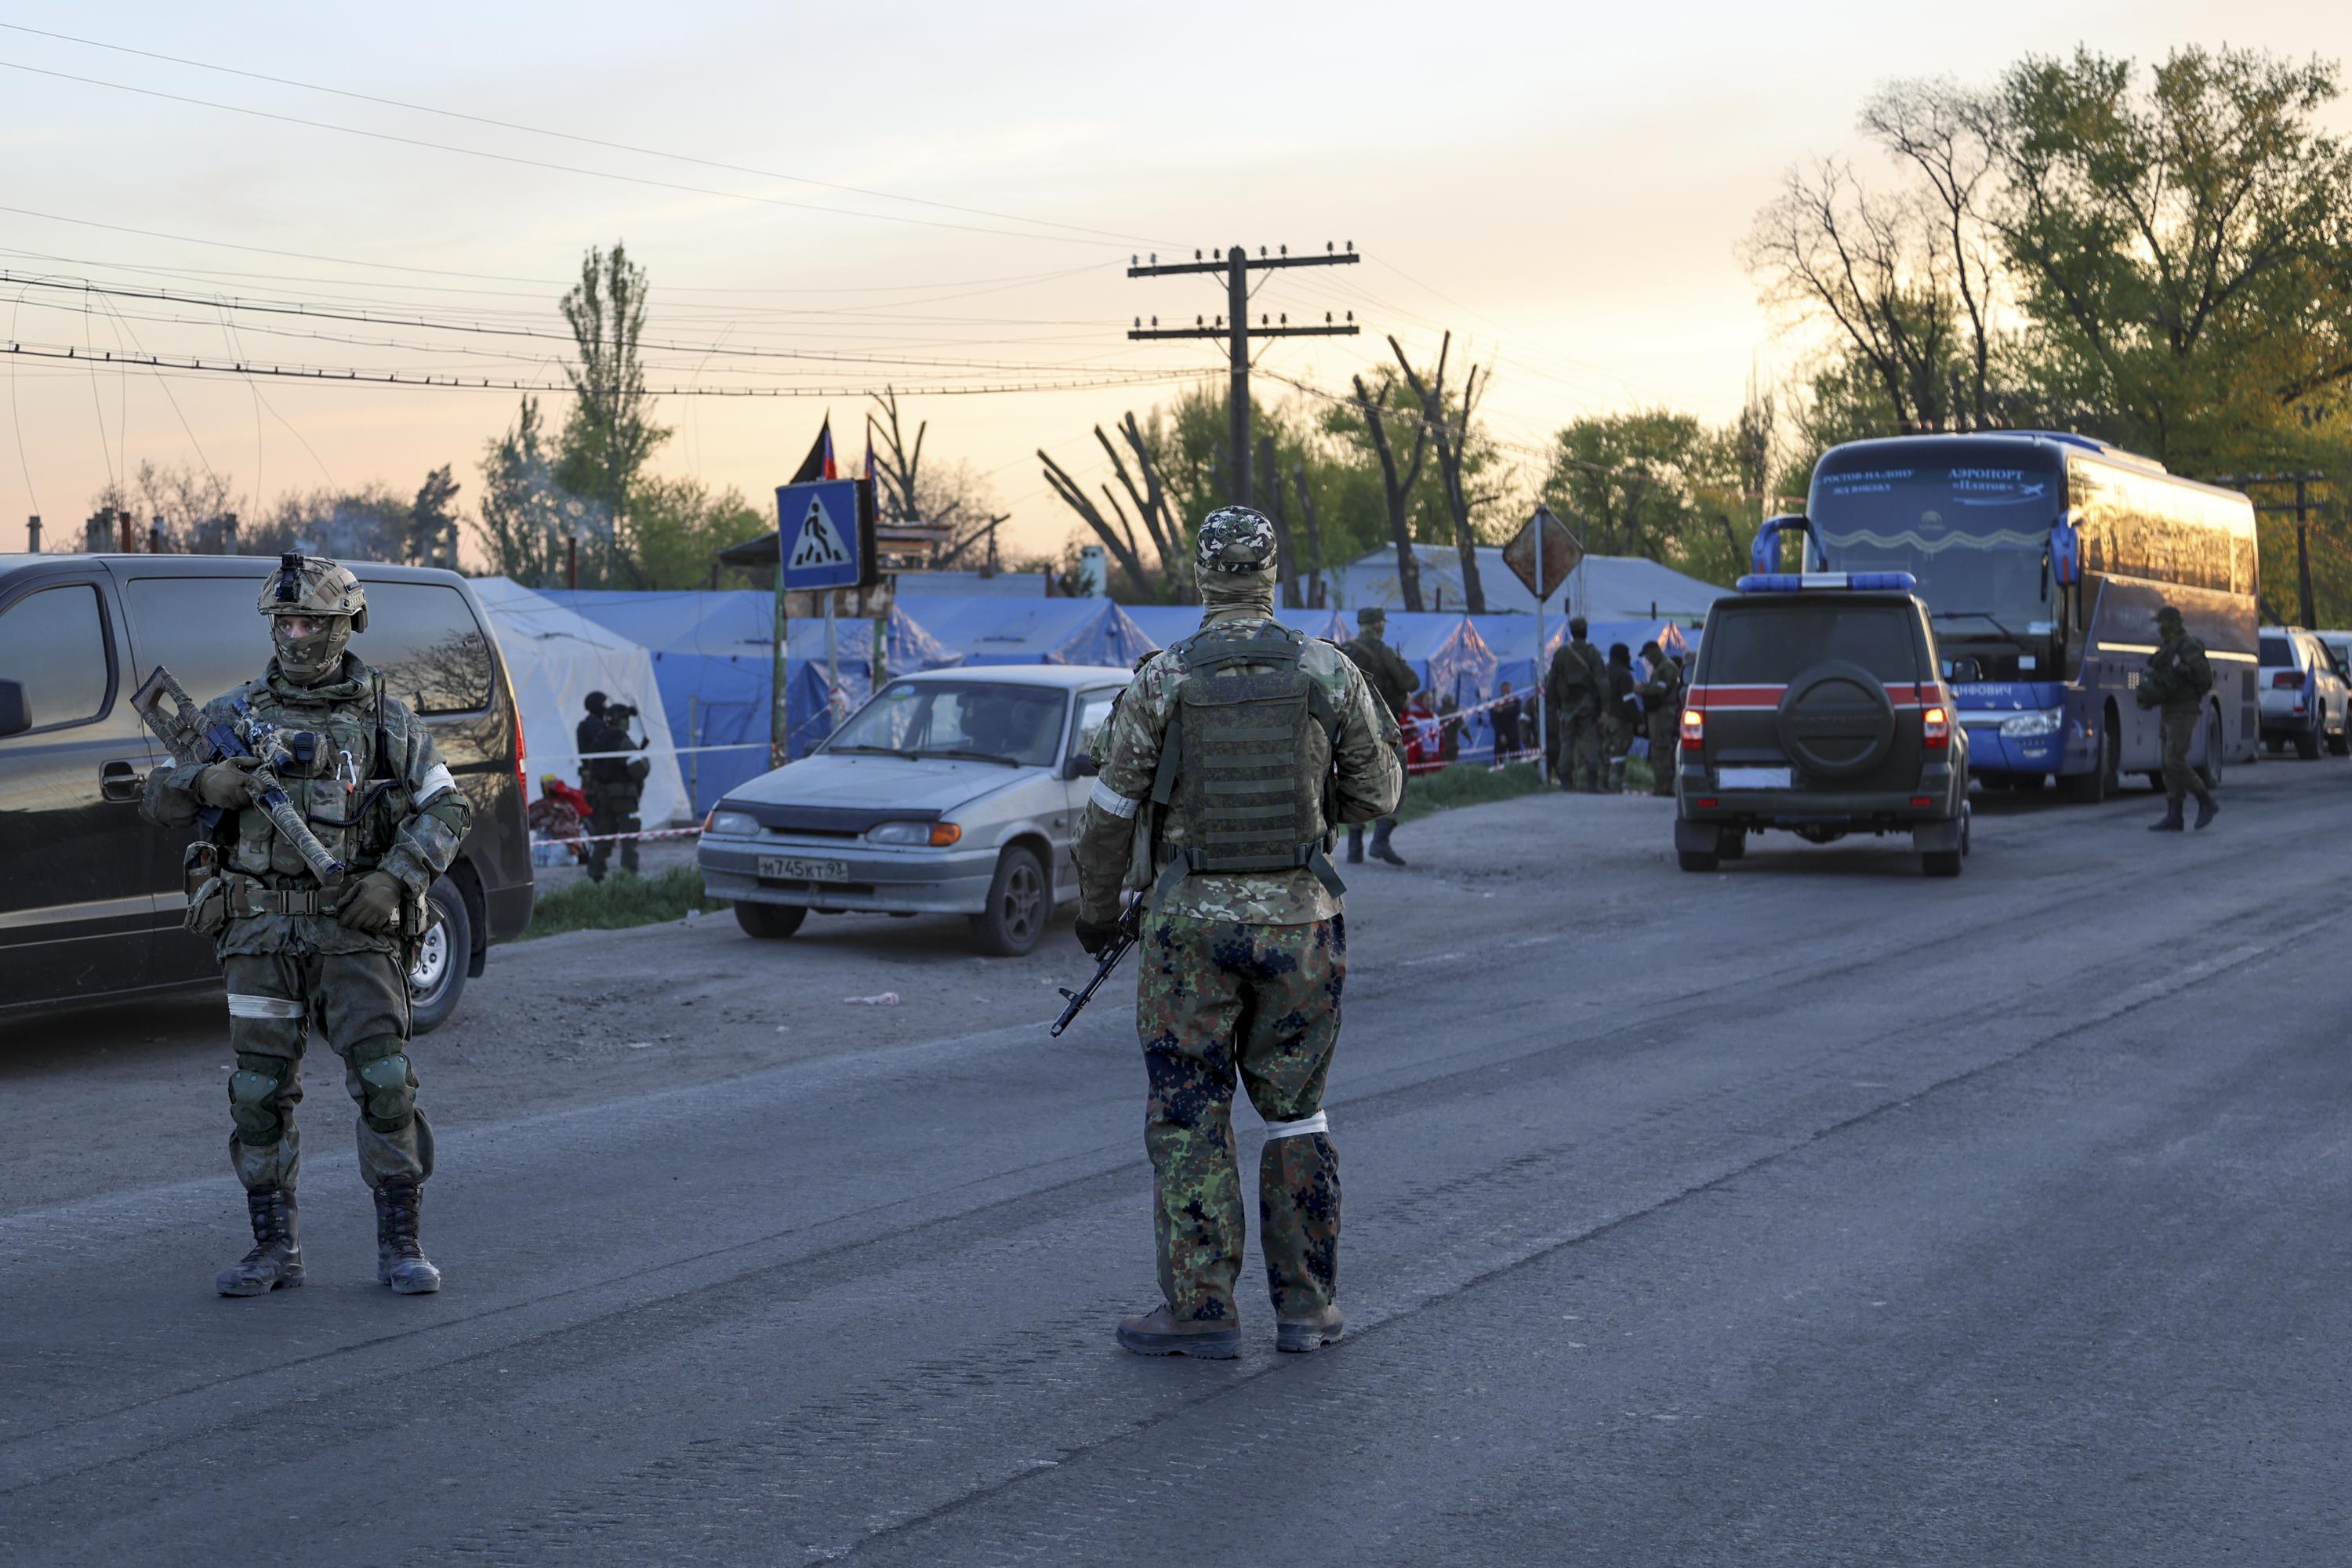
{"x": 1807, "y": 582}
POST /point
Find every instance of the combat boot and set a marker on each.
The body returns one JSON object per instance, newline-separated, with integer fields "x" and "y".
{"x": 1302, "y": 1334}
{"x": 2208, "y": 809}
{"x": 1163, "y": 1332}
{"x": 277, "y": 1256}
{"x": 2171, "y": 823}
{"x": 1355, "y": 846}
{"x": 1382, "y": 848}
{"x": 400, "y": 1262}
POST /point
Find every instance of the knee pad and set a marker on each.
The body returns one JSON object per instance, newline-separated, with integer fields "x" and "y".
{"x": 388, "y": 1094}
{"x": 252, "y": 1089}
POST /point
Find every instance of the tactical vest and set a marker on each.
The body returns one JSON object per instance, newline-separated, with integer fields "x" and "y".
{"x": 1234, "y": 772}
{"x": 337, "y": 768}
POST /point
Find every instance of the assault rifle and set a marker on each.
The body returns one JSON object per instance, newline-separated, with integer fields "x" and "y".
{"x": 190, "y": 741}
{"x": 1131, "y": 923}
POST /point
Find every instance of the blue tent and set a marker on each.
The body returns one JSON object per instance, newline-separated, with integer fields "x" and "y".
{"x": 1034, "y": 631}
{"x": 1165, "y": 624}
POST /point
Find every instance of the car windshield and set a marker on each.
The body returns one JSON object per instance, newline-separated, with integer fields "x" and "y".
{"x": 976, "y": 720}
{"x": 1771, "y": 645}
{"x": 1974, "y": 538}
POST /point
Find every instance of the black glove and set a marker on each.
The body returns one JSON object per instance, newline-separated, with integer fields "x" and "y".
{"x": 371, "y": 904}
{"x": 1096, "y": 935}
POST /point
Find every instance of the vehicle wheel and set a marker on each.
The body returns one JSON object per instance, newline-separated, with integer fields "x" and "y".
{"x": 1941, "y": 862}
{"x": 1732, "y": 844}
{"x": 2307, "y": 743}
{"x": 438, "y": 977}
{"x": 1695, "y": 859}
{"x": 2212, "y": 772}
{"x": 2105, "y": 777}
{"x": 2339, "y": 744}
{"x": 1019, "y": 905}
{"x": 769, "y": 920}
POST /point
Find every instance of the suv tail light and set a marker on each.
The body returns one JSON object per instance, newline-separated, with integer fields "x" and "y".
{"x": 1694, "y": 730}
{"x": 522, "y": 761}
{"x": 2287, "y": 680}
{"x": 1936, "y": 728}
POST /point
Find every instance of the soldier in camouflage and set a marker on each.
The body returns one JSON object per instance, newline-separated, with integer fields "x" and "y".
{"x": 2177, "y": 681}
{"x": 1393, "y": 681}
{"x": 1576, "y": 695}
{"x": 1661, "y": 693}
{"x": 300, "y": 956}
{"x": 1227, "y": 764}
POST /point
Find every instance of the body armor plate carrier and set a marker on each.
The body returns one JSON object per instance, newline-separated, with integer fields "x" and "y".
{"x": 1232, "y": 769}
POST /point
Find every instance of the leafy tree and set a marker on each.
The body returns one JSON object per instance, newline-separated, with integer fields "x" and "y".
{"x": 432, "y": 525}
{"x": 681, "y": 525}
{"x": 609, "y": 433}
{"x": 525, "y": 516}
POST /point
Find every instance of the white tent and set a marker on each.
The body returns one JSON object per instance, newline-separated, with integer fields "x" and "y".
{"x": 1603, "y": 588}
{"x": 557, "y": 658}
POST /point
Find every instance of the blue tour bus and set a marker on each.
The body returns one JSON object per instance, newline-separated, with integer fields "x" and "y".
{"x": 2043, "y": 559}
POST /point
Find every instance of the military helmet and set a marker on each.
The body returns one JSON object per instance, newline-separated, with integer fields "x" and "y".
{"x": 1372, "y": 617}
{"x": 2168, "y": 613}
{"x": 311, "y": 585}
{"x": 1234, "y": 539}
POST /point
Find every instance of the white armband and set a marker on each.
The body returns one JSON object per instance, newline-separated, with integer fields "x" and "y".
{"x": 1112, "y": 801}
{"x": 434, "y": 785}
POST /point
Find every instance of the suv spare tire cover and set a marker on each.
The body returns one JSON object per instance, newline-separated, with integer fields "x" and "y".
{"x": 1835, "y": 721}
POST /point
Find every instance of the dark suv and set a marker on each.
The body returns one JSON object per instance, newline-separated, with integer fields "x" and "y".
{"x": 1818, "y": 707}
{"x": 91, "y": 895}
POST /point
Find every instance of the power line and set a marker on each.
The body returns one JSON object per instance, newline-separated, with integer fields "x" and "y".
{"x": 543, "y": 163}
{"x": 353, "y": 375}
{"x": 585, "y": 141}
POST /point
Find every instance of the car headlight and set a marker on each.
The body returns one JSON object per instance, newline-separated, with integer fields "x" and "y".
{"x": 933, "y": 835}
{"x": 2025, "y": 726}
{"x": 733, "y": 824}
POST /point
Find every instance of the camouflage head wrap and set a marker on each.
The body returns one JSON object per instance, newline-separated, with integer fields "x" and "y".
{"x": 1235, "y": 554}
{"x": 1371, "y": 618}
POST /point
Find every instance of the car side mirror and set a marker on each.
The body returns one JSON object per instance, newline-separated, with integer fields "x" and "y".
{"x": 2066, "y": 554}
{"x": 16, "y": 713}
{"x": 1081, "y": 765}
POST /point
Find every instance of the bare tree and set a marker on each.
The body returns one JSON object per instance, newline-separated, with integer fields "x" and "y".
{"x": 1148, "y": 495}
{"x": 1938, "y": 127}
{"x": 1396, "y": 485}
{"x": 1871, "y": 266}
{"x": 1450, "y": 431}
{"x": 898, "y": 466}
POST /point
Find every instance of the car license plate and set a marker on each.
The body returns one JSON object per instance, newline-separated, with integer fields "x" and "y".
{"x": 793, "y": 868}
{"x": 1752, "y": 778}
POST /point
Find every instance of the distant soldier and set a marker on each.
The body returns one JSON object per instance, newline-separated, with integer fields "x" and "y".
{"x": 613, "y": 784}
{"x": 1394, "y": 682}
{"x": 2176, "y": 681}
{"x": 1506, "y": 725}
{"x": 1576, "y": 696}
{"x": 1661, "y": 693}
{"x": 1622, "y": 717}
{"x": 304, "y": 958}
{"x": 1225, "y": 766}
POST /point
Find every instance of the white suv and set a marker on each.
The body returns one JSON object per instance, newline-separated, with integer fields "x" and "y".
{"x": 2305, "y": 693}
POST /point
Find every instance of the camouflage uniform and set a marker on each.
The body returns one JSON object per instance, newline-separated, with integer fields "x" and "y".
{"x": 1661, "y": 693}
{"x": 1242, "y": 971}
{"x": 2177, "y": 680}
{"x": 614, "y": 786}
{"x": 372, "y": 788}
{"x": 1392, "y": 679}
{"x": 1618, "y": 718}
{"x": 1576, "y": 692}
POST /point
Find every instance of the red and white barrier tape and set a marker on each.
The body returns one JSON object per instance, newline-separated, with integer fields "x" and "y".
{"x": 614, "y": 838}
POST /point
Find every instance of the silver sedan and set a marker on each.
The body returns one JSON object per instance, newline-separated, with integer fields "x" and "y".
{"x": 953, "y": 792}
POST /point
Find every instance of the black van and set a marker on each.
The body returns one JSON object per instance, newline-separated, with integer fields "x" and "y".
{"x": 91, "y": 896}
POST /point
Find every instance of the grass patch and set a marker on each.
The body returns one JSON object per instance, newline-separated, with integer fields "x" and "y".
{"x": 1465, "y": 784}
{"x": 620, "y": 900}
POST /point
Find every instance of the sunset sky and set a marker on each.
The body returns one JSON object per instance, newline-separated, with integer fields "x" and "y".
{"x": 1564, "y": 185}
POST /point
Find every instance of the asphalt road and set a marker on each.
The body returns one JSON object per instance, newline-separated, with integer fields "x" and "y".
{"x": 1811, "y": 1211}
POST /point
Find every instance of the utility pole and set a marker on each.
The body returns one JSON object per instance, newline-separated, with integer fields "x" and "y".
{"x": 1234, "y": 327}
{"x": 2301, "y": 506}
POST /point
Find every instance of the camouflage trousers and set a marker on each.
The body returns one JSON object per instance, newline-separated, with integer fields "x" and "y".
{"x": 359, "y": 1003}
{"x": 1579, "y": 749}
{"x": 1662, "y": 740}
{"x": 1221, "y": 997}
{"x": 2179, "y": 730}
{"x": 611, "y": 813}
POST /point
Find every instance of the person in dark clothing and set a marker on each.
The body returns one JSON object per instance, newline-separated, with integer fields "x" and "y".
{"x": 1623, "y": 717}
{"x": 1506, "y": 725}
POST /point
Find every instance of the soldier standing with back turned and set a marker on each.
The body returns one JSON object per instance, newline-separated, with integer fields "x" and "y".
{"x": 1393, "y": 680}
{"x": 2176, "y": 681}
{"x": 1224, "y": 768}
{"x": 300, "y": 957}
{"x": 1661, "y": 693}
{"x": 613, "y": 784}
{"x": 1575, "y": 696}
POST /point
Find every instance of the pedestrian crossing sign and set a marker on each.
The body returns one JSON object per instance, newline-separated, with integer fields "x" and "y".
{"x": 817, "y": 533}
